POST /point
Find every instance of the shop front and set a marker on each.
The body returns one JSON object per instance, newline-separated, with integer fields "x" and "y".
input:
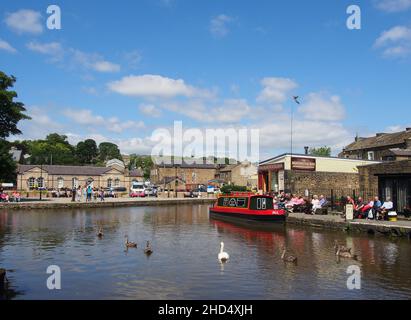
{"x": 271, "y": 177}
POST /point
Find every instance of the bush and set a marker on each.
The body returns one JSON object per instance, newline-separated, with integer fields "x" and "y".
{"x": 233, "y": 188}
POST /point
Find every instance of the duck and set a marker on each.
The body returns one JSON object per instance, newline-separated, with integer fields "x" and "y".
{"x": 288, "y": 258}
{"x": 223, "y": 256}
{"x": 100, "y": 233}
{"x": 347, "y": 255}
{"x": 341, "y": 247}
{"x": 130, "y": 244}
{"x": 148, "y": 250}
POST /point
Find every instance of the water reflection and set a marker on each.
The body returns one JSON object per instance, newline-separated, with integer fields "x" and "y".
{"x": 184, "y": 264}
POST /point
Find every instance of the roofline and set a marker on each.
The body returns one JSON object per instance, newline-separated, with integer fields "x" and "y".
{"x": 314, "y": 157}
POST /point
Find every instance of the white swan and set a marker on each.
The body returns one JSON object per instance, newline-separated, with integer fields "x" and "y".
{"x": 223, "y": 256}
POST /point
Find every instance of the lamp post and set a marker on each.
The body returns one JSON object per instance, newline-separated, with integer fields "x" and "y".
{"x": 176, "y": 183}
{"x": 41, "y": 178}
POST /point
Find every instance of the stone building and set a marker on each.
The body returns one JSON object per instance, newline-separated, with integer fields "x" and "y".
{"x": 241, "y": 174}
{"x": 55, "y": 177}
{"x": 301, "y": 173}
{"x": 389, "y": 180}
{"x": 381, "y": 147}
{"x": 193, "y": 175}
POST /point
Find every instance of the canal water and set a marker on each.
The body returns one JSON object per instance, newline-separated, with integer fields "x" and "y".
{"x": 184, "y": 264}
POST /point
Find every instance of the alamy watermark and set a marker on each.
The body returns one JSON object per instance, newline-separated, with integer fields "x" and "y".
{"x": 354, "y": 19}
{"x": 54, "y": 281}
{"x": 207, "y": 146}
{"x": 354, "y": 279}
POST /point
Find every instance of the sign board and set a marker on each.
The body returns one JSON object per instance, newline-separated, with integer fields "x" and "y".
{"x": 349, "y": 212}
{"x": 7, "y": 185}
{"x": 303, "y": 164}
{"x": 272, "y": 167}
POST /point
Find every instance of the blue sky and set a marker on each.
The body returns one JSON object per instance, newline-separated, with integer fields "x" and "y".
{"x": 117, "y": 70}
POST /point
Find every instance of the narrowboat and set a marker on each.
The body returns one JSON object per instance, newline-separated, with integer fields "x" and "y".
{"x": 247, "y": 206}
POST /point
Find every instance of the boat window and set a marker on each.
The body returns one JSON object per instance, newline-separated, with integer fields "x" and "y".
{"x": 233, "y": 202}
{"x": 261, "y": 203}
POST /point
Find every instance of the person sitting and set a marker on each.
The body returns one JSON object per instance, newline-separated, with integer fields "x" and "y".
{"x": 291, "y": 204}
{"x": 16, "y": 196}
{"x": 4, "y": 197}
{"x": 359, "y": 205}
{"x": 299, "y": 204}
{"x": 376, "y": 208}
{"x": 323, "y": 201}
{"x": 350, "y": 200}
{"x": 315, "y": 204}
{"x": 387, "y": 206}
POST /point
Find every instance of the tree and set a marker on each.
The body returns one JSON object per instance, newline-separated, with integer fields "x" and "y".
{"x": 55, "y": 149}
{"x": 143, "y": 162}
{"x": 86, "y": 151}
{"x": 108, "y": 151}
{"x": 11, "y": 112}
{"x": 7, "y": 165}
{"x": 321, "y": 152}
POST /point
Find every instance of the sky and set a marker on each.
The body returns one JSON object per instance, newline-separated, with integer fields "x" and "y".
{"x": 121, "y": 70}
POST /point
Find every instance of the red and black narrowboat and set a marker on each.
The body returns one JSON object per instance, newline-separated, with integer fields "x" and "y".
{"x": 247, "y": 206}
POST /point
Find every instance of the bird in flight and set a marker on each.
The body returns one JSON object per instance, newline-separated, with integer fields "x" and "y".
{"x": 296, "y": 99}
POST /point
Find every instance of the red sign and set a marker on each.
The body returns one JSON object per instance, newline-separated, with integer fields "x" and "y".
{"x": 272, "y": 167}
{"x": 303, "y": 164}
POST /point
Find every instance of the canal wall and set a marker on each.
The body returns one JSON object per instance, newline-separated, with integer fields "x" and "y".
{"x": 335, "y": 222}
{"x": 43, "y": 205}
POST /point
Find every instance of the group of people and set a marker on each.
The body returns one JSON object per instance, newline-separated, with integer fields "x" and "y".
{"x": 298, "y": 203}
{"x": 5, "y": 197}
{"x": 89, "y": 193}
{"x": 374, "y": 209}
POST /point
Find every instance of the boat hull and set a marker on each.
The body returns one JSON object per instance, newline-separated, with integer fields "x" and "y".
{"x": 239, "y": 216}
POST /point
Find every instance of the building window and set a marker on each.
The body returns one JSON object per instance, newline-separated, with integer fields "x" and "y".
{"x": 31, "y": 183}
{"x": 40, "y": 182}
{"x": 60, "y": 183}
{"x": 74, "y": 183}
{"x": 371, "y": 155}
{"x": 117, "y": 182}
{"x": 109, "y": 183}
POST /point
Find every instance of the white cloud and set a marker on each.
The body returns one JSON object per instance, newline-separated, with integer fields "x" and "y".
{"x": 393, "y": 5}
{"x": 276, "y": 135}
{"x": 93, "y": 61}
{"x": 150, "y": 110}
{"x": 218, "y": 25}
{"x": 276, "y": 90}
{"x": 228, "y": 111}
{"x": 395, "y": 42}
{"x": 53, "y": 49}
{"x": 318, "y": 106}
{"x": 4, "y": 45}
{"x": 155, "y": 86}
{"x": 25, "y": 21}
{"x": 86, "y": 117}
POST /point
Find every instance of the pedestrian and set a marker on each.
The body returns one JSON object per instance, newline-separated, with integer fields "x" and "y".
{"x": 89, "y": 193}
{"x": 102, "y": 195}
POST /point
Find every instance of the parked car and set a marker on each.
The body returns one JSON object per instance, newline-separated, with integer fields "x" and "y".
{"x": 194, "y": 193}
{"x": 137, "y": 194}
{"x": 151, "y": 192}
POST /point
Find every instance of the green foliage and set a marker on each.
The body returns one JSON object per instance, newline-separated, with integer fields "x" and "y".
{"x": 232, "y": 188}
{"x": 7, "y": 165}
{"x": 11, "y": 112}
{"x": 143, "y": 162}
{"x": 55, "y": 149}
{"x": 321, "y": 152}
{"x": 86, "y": 151}
{"x": 108, "y": 151}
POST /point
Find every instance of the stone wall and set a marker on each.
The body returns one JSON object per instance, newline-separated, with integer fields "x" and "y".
{"x": 189, "y": 175}
{"x": 369, "y": 174}
{"x": 320, "y": 182}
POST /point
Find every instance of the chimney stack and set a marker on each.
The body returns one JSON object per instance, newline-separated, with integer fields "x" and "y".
{"x": 306, "y": 150}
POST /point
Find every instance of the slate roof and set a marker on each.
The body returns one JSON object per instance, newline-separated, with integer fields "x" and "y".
{"x": 380, "y": 140}
{"x": 136, "y": 173}
{"x": 66, "y": 170}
